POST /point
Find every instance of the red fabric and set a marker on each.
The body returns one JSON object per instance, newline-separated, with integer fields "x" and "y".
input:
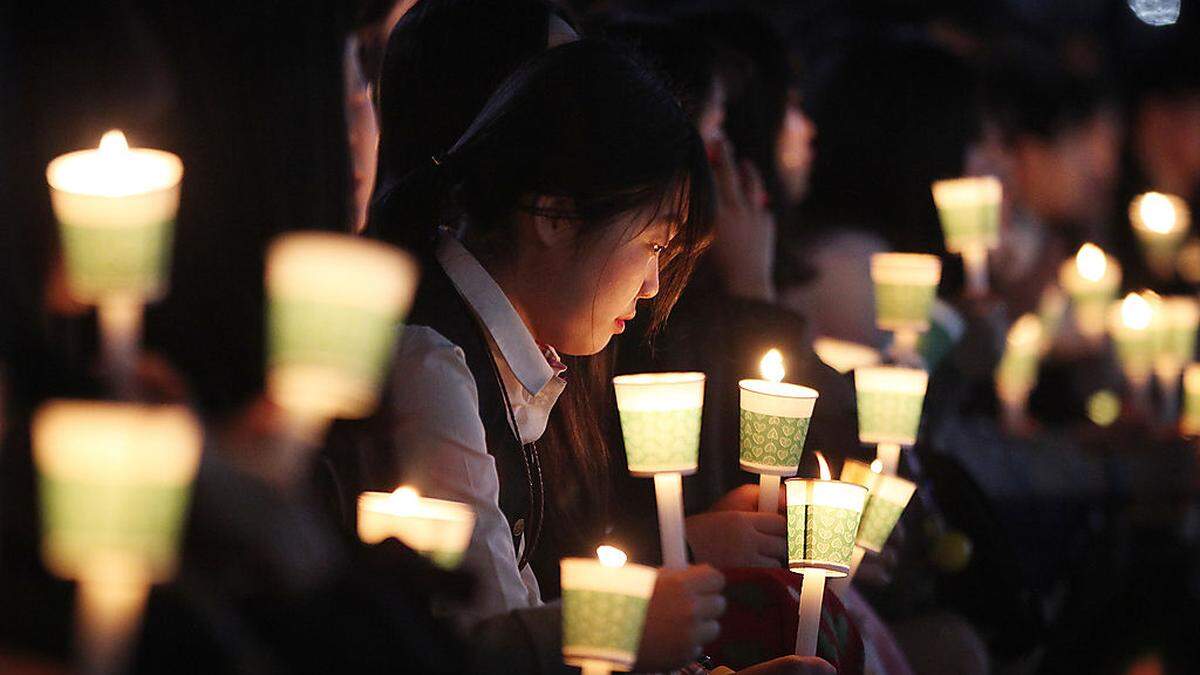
{"x": 761, "y": 617}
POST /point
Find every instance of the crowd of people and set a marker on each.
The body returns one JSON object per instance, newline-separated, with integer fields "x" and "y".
{"x": 602, "y": 188}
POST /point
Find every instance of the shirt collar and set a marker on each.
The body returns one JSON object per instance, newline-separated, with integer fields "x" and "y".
{"x": 501, "y": 321}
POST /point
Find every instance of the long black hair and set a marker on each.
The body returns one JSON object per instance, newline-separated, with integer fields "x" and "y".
{"x": 588, "y": 123}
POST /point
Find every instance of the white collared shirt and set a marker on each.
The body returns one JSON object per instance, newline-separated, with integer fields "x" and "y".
{"x": 442, "y": 439}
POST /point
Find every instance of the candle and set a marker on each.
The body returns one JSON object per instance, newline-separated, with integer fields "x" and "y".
{"x": 1017, "y": 372}
{"x": 845, "y": 356}
{"x": 888, "y": 498}
{"x": 890, "y": 400}
{"x": 335, "y": 306}
{"x": 1161, "y": 224}
{"x": 604, "y": 610}
{"x": 905, "y": 285}
{"x": 437, "y": 529}
{"x": 660, "y": 422}
{"x": 866, "y": 475}
{"x": 822, "y": 519}
{"x": 1091, "y": 280}
{"x": 1190, "y": 423}
{"x": 969, "y": 209}
{"x": 1132, "y": 325}
{"x": 116, "y": 208}
{"x": 114, "y": 481}
{"x": 774, "y": 423}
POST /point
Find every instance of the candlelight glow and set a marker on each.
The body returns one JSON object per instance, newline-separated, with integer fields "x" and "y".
{"x": 825, "y": 475}
{"x": 405, "y": 499}
{"x": 1157, "y": 212}
{"x": 113, "y": 143}
{"x": 877, "y": 466}
{"x": 1026, "y": 332}
{"x": 1091, "y": 262}
{"x": 1136, "y": 312}
{"x": 771, "y": 366}
{"x": 611, "y": 556}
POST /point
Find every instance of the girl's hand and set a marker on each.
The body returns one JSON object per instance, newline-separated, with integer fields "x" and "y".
{"x": 744, "y": 249}
{"x": 738, "y": 538}
{"x": 682, "y": 617}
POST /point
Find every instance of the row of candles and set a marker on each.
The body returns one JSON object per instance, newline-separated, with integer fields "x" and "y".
{"x": 115, "y": 477}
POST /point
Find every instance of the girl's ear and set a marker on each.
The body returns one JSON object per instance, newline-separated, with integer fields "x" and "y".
{"x": 553, "y": 223}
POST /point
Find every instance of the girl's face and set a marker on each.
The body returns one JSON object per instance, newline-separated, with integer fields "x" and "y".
{"x": 587, "y": 286}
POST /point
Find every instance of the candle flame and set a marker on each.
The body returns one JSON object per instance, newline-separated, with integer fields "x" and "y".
{"x": 1026, "y": 331}
{"x": 1157, "y": 212}
{"x": 877, "y": 465}
{"x": 405, "y": 499}
{"x": 1091, "y": 262}
{"x": 825, "y": 475}
{"x": 771, "y": 366}
{"x": 611, "y": 556}
{"x": 113, "y": 143}
{"x": 1136, "y": 312}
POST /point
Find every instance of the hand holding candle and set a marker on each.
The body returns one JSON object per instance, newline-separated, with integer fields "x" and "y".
{"x": 604, "y": 610}
{"x": 437, "y": 529}
{"x": 969, "y": 209}
{"x": 114, "y": 482}
{"x": 116, "y": 209}
{"x": 660, "y": 422}
{"x": 1091, "y": 280}
{"x": 1161, "y": 223}
{"x": 774, "y": 424}
{"x": 823, "y": 517}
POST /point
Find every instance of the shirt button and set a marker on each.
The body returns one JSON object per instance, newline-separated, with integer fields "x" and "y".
{"x": 519, "y": 527}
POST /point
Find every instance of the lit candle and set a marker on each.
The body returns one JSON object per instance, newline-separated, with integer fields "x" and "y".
{"x": 845, "y": 356}
{"x": 437, "y": 529}
{"x": 823, "y": 517}
{"x": 774, "y": 423}
{"x": 335, "y": 307}
{"x": 1017, "y": 372}
{"x": 905, "y": 285}
{"x": 660, "y": 422}
{"x": 114, "y": 482}
{"x": 866, "y": 475}
{"x": 1161, "y": 223}
{"x": 1176, "y": 346}
{"x": 1132, "y": 325}
{"x": 969, "y": 209}
{"x": 890, "y": 400}
{"x": 1052, "y": 309}
{"x": 604, "y": 610}
{"x": 1091, "y": 280}
{"x": 1190, "y": 423}
{"x": 116, "y": 208}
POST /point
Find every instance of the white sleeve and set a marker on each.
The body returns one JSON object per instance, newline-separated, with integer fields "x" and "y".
{"x": 443, "y": 449}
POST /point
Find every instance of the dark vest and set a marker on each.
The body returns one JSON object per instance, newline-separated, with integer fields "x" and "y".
{"x": 359, "y": 455}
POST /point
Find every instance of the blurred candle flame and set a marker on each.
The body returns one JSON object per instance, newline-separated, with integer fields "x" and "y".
{"x": 405, "y": 499}
{"x": 877, "y": 466}
{"x": 825, "y": 475}
{"x": 113, "y": 143}
{"x": 771, "y": 366}
{"x": 1026, "y": 332}
{"x": 611, "y": 556}
{"x": 1091, "y": 262}
{"x": 1157, "y": 212}
{"x": 1136, "y": 312}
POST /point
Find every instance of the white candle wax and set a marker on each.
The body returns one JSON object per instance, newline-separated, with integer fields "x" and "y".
{"x": 336, "y": 303}
{"x": 436, "y": 528}
{"x": 668, "y": 495}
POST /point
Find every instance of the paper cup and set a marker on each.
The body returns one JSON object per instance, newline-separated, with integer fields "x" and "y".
{"x": 969, "y": 209}
{"x": 905, "y": 286}
{"x": 436, "y": 528}
{"x": 887, "y": 501}
{"x": 604, "y": 611}
{"x": 822, "y": 520}
{"x": 660, "y": 421}
{"x": 774, "y": 424}
{"x": 890, "y": 400}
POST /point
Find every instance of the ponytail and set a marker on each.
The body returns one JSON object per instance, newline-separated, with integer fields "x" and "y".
{"x": 409, "y": 211}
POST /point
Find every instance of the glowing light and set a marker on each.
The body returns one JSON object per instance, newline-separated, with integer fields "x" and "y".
{"x": 771, "y": 366}
{"x": 1026, "y": 332}
{"x": 877, "y": 466}
{"x": 1091, "y": 262}
{"x": 1136, "y": 312}
{"x": 405, "y": 500}
{"x": 611, "y": 556}
{"x": 1157, "y": 212}
{"x": 113, "y": 143}
{"x": 825, "y": 475}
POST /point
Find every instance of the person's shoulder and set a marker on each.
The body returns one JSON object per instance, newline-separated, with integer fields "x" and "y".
{"x": 431, "y": 375}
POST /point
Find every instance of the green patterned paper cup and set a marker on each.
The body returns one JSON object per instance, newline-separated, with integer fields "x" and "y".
{"x": 114, "y": 482}
{"x": 969, "y": 209}
{"x": 774, "y": 424}
{"x": 660, "y": 421}
{"x": 335, "y": 307}
{"x": 116, "y": 210}
{"x": 884, "y": 506}
{"x": 436, "y": 528}
{"x": 890, "y": 400}
{"x": 822, "y": 521}
{"x": 905, "y": 286}
{"x": 604, "y": 611}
